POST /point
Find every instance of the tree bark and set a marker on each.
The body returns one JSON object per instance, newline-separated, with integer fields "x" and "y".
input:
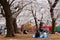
{"x": 53, "y": 20}
{"x": 10, "y": 28}
{"x": 9, "y": 20}
{"x": 53, "y": 26}
{"x": 52, "y": 14}
{"x": 37, "y": 29}
{"x": 40, "y": 25}
{"x": 15, "y": 25}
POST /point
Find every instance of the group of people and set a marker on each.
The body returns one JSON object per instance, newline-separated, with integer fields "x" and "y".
{"x": 42, "y": 33}
{"x": 38, "y": 35}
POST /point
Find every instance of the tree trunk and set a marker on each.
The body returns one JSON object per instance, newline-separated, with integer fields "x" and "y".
{"x": 8, "y": 14}
{"x": 15, "y": 25}
{"x": 10, "y": 28}
{"x": 52, "y": 13}
{"x": 40, "y": 25}
{"x": 53, "y": 20}
{"x": 37, "y": 33}
{"x": 53, "y": 26}
{"x": 36, "y": 24}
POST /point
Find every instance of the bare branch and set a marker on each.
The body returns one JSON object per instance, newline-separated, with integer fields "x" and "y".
{"x": 2, "y": 12}
{"x": 35, "y": 12}
{"x": 42, "y": 16}
{"x": 17, "y": 11}
{"x": 55, "y": 3}
{"x": 12, "y": 2}
{"x": 49, "y": 3}
{"x": 32, "y": 13}
{"x": 57, "y": 16}
{"x": 26, "y": 4}
{"x": 52, "y": 7}
{"x": 8, "y": 1}
{"x": 20, "y": 9}
{"x": 28, "y": 9}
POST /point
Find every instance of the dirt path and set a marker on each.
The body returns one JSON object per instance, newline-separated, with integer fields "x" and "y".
{"x": 29, "y": 37}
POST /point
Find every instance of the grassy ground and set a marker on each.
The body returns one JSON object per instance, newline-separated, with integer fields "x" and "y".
{"x": 29, "y": 37}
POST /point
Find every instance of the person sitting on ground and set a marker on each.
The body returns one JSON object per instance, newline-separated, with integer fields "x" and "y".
{"x": 37, "y": 34}
{"x": 44, "y": 35}
{"x": 25, "y": 32}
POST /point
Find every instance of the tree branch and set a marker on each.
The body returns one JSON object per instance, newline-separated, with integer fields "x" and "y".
{"x": 42, "y": 17}
{"x": 19, "y": 12}
{"x": 20, "y": 9}
{"x": 32, "y": 13}
{"x": 35, "y": 12}
{"x": 8, "y": 1}
{"x": 57, "y": 16}
{"x": 28, "y": 9}
{"x": 2, "y": 12}
{"x": 12, "y": 2}
{"x": 49, "y": 3}
{"x": 26, "y": 4}
{"x": 55, "y": 3}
